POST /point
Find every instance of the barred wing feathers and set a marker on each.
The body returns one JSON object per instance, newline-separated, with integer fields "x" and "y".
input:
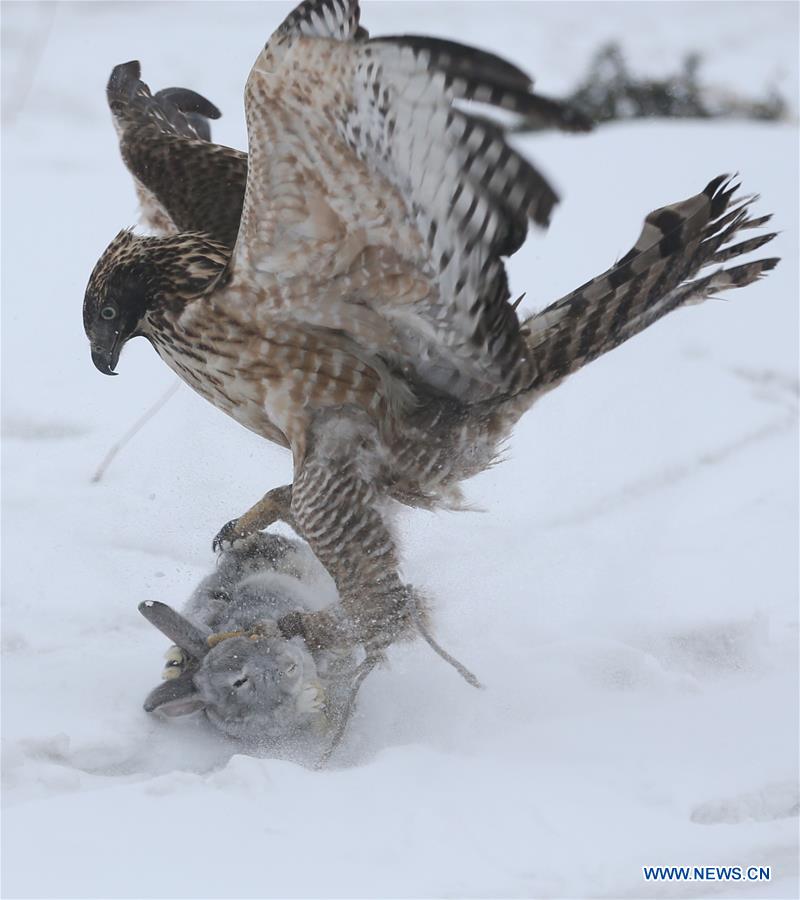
{"x": 372, "y": 187}
{"x": 660, "y": 273}
{"x": 337, "y": 19}
{"x": 184, "y": 181}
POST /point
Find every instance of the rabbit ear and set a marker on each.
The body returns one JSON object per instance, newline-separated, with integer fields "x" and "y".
{"x": 178, "y": 629}
{"x": 176, "y": 697}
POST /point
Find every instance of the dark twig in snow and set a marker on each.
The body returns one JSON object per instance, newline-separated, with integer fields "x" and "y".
{"x": 132, "y": 431}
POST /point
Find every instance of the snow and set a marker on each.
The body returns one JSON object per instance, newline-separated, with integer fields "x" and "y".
{"x": 628, "y": 596}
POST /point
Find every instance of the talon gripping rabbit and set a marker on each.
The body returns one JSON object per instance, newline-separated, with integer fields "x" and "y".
{"x": 230, "y": 659}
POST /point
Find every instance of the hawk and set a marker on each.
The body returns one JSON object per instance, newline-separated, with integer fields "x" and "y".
{"x": 342, "y": 290}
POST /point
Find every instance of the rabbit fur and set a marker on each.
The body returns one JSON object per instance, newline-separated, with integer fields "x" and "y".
{"x": 231, "y": 661}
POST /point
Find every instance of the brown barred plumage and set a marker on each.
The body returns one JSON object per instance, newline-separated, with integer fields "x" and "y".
{"x": 652, "y": 279}
{"x": 184, "y": 182}
{"x": 361, "y": 317}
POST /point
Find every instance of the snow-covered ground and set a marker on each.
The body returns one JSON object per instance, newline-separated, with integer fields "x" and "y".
{"x": 629, "y": 596}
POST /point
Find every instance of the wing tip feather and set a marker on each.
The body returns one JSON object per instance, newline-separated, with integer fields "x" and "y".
{"x": 124, "y": 77}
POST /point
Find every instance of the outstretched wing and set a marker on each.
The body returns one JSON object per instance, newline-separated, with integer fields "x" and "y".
{"x": 660, "y": 273}
{"x": 378, "y": 205}
{"x": 184, "y": 182}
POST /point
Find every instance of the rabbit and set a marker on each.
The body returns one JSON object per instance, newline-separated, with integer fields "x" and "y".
{"x": 231, "y": 661}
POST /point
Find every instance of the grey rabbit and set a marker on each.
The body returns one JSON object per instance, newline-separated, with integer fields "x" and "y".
{"x": 231, "y": 661}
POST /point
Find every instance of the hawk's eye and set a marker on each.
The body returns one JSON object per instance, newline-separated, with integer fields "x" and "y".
{"x": 108, "y": 312}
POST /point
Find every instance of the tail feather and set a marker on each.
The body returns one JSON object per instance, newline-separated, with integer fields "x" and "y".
{"x": 656, "y": 276}
{"x": 757, "y": 223}
{"x": 701, "y": 289}
{"x": 741, "y": 248}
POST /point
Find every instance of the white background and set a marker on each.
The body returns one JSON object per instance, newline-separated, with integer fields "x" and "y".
{"x": 629, "y": 595}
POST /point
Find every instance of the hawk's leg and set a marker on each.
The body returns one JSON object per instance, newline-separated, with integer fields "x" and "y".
{"x": 272, "y": 507}
{"x": 336, "y": 508}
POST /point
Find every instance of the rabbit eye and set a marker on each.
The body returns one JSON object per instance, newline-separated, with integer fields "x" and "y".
{"x": 240, "y": 681}
{"x": 290, "y": 668}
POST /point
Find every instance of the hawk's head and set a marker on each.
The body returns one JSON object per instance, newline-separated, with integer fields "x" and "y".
{"x": 116, "y": 299}
{"x": 136, "y": 275}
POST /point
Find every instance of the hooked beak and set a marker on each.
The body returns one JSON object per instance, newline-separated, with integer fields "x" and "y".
{"x": 105, "y": 360}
